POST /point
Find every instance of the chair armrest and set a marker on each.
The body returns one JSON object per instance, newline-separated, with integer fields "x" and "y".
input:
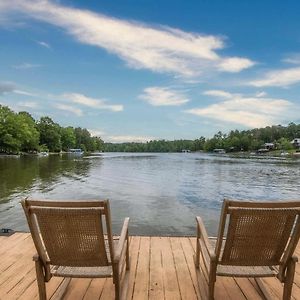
{"x": 122, "y": 239}
{"x": 35, "y": 257}
{"x": 202, "y": 235}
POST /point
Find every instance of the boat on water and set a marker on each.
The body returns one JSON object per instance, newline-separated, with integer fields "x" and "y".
{"x": 76, "y": 152}
{"x": 43, "y": 154}
{"x": 219, "y": 151}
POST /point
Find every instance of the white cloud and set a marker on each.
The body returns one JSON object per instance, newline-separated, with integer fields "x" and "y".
{"x": 25, "y": 66}
{"x": 247, "y": 111}
{"x": 281, "y": 78}
{"x": 20, "y": 92}
{"x": 218, "y": 93}
{"x": 292, "y": 59}
{"x": 10, "y": 87}
{"x": 28, "y": 104}
{"x": 235, "y": 64}
{"x": 261, "y": 94}
{"x": 163, "y": 96}
{"x": 92, "y": 102}
{"x": 69, "y": 108}
{"x": 127, "y": 138}
{"x": 44, "y": 44}
{"x": 157, "y": 48}
{"x": 120, "y": 138}
{"x": 96, "y": 132}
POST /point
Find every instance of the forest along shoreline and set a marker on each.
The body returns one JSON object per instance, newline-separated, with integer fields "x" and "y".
{"x": 20, "y": 133}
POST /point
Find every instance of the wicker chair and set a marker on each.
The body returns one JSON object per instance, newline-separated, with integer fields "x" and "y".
{"x": 255, "y": 239}
{"x": 70, "y": 242}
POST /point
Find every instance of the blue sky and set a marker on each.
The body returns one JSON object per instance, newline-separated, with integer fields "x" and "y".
{"x": 141, "y": 70}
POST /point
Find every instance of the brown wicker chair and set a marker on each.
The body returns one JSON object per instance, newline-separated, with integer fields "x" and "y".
{"x": 70, "y": 242}
{"x": 255, "y": 239}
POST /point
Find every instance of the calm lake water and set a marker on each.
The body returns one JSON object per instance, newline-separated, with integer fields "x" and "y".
{"x": 162, "y": 193}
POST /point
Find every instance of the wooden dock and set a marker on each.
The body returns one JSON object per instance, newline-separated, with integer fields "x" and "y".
{"x": 161, "y": 268}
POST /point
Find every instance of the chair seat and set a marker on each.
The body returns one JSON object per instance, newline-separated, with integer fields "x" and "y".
{"x": 246, "y": 271}
{"x": 243, "y": 271}
{"x": 82, "y": 272}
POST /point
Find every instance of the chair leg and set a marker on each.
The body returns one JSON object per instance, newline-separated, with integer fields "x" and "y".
{"x": 116, "y": 281}
{"x": 127, "y": 253}
{"x": 117, "y": 290}
{"x": 40, "y": 280}
{"x": 211, "y": 290}
{"x": 289, "y": 279}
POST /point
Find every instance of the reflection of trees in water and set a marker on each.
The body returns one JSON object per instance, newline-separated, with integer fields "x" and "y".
{"x": 19, "y": 174}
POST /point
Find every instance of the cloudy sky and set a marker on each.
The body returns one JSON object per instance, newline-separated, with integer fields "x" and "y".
{"x": 134, "y": 70}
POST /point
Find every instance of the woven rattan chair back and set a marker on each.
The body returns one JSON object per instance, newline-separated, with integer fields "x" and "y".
{"x": 67, "y": 234}
{"x": 257, "y": 234}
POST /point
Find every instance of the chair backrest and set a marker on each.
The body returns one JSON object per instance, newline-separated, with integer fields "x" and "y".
{"x": 70, "y": 233}
{"x": 258, "y": 233}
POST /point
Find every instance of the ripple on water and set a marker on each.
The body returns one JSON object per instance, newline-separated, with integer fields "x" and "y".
{"x": 162, "y": 193}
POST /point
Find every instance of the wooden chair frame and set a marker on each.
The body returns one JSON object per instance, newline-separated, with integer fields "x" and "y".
{"x": 115, "y": 259}
{"x": 209, "y": 260}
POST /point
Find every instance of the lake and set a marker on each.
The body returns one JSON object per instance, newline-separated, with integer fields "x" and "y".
{"x": 162, "y": 193}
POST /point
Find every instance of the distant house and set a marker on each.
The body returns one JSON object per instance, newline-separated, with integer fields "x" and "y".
{"x": 296, "y": 142}
{"x": 219, "y": 151}
{"x": 269, "y": 146}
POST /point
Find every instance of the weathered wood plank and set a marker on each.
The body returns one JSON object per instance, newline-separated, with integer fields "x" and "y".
{"x": 160, "y": 268}
{"x": 189, "y": 253}
{"x": 187, "y": 290}
{"x": 156, "y": 291}
{"x": 95, "y": 289}
{"x": 134, "y": 248}
{"x": 169, "y": 272}
{"x": 77, "y": 288}
{"x": 141, "y": 287}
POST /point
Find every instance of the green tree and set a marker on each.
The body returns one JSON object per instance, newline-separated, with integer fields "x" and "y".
{"x": 17, "y": 131}
{"x": 68, "y": 138}
{"x": 30, "y": 136}
{"x": 49, "y": 134}
{"x": 285, "y": 144}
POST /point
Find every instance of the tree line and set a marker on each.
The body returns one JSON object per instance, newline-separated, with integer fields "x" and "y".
{"x": 20, "y": 132}
{"x": 234, "y": 141}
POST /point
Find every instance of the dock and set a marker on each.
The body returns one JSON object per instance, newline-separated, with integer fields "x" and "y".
{"x": 160, "y": 268}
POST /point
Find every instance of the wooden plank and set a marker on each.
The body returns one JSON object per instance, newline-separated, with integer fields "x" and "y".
{"x": 248, "y": 290}
{"x": 171, "y": 287}
{"x": 296, "y": 292}
{"x": 232, "y": 289}
{"x": 61, "y": 289}
{"x": 189, "y": 254}
{"x": 10, "y": 243}
{"x": 95, "y": 289}
{"x": 17, "y": 290}
{"x": 108, "y": 290}
{"x": 18, "y": 251}
{"x": 155, "y": 264}
{"x": 77, "y": 288}
{"x": 187, "y": 289}
{"x": 156, "y": 290}
{"x": 141, "y": 287}
{"x": 31, "y": 292}
{"x": 11, "y": 278}
{"x": 134, "y": 248}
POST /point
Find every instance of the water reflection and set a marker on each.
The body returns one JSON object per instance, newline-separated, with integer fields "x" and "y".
{"x": 162, "y": 193}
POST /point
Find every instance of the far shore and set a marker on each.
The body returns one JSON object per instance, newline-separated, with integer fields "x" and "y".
{"x": 289, "y": 154}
